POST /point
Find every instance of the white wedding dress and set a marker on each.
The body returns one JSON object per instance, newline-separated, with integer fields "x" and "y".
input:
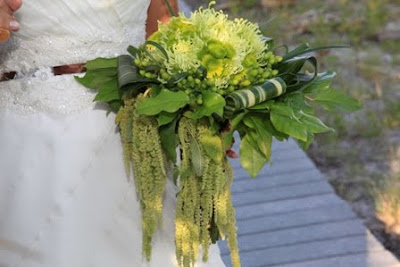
{"x": 64, "y": 197}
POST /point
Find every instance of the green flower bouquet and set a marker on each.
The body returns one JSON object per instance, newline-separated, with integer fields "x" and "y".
{"x": 179, "y": 99}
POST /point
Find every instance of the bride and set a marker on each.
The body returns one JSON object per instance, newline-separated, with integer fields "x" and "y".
{"x": 64, "y": 196}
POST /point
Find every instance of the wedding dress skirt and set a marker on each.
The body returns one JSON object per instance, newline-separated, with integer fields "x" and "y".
{"x": 64, "y": 197}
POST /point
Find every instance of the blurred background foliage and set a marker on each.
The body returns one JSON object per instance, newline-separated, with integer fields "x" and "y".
{"x": 362, "y": 157}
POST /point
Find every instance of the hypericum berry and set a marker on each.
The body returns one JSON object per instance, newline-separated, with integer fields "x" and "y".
{"x": 165, "y": 76}
{"x": 142, "y": 73}
{"x": 265, "y": 75}
{"x": 246, "y": 83}
{"x": 253, "y": 73}
{"x": 275, "y": 72}
{"x": 272, "y": 60}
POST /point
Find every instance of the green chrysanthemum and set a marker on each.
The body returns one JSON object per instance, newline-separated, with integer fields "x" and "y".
{"x": 232, "y": 51}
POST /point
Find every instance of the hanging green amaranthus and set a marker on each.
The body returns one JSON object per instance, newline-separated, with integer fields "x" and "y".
{"x": 204, "y": 201}
{"x": 142, "y": 150}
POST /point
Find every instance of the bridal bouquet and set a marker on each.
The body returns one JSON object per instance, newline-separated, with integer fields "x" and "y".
{"x": 179, "y": 99}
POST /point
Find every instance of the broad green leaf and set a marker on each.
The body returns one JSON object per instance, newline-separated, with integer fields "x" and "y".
{"x": 282, "y": 109}
{"x": 169, "y": 140}
{"x": 165, "y": 118}
{"x": 134, "y": 51}
{"x": 212, "y": 145}
{"x": 275, "y": 133}
{"x": 288, "y": 124}
{"x": 108, "y": 91}
{"x": 262, "y": 136}
{"x": 251, "y": 158}
{"x": 115, "y": 105}
{"x": 166, "y": 100}
{"x": 94, "y": 78}
{"x": 298, "y": 102}
{"x": 332, "y": 99}
{"x": 305, "y": 145}
{"x": 313, "y": 124}
{"x": 212, "y": 103}
{"x": 101, "y": 63}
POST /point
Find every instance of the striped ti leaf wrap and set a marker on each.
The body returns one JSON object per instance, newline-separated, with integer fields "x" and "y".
{"x": 247, "y": 98}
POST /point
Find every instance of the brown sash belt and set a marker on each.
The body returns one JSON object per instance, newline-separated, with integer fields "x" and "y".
{"x": 57, "y": 70}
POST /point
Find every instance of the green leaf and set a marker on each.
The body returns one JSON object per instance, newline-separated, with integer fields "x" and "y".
{"x": 165, "y": 118}
{"x": 297, "y": 101}
{"x": 313, "y": 124}
{"x": 169, "y": 140}
{"x": 134, "y": 51}
{"x": 333, "y": 99}
{"x": 108, "y": 92}
{"x": 166, "y": 100}
{"x": 305, "y": 145}
{"x": 212, "y": 145}
{"x": 284, "y": 120}
{"x": 101, "y": 63}
{"x": 115, "y": 105}
{"x": 251, "y": 158}
{"x": 262, "y": 135}
{"x": 212, "y": 103}
{"x": 289, "y": 126}
{"x": 94, "y": 78}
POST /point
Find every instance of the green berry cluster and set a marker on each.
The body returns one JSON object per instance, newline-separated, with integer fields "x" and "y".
{"x": 255, "y": 71}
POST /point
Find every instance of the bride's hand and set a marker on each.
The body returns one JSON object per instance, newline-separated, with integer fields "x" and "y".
{"x": 7, "y": 19}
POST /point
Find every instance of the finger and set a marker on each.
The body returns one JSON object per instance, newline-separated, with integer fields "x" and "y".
{"x": 5, "y": 8}
{"x": 8, "y": 22}
{"x": 4, "y": 36}
{"x": 14, "y": 5}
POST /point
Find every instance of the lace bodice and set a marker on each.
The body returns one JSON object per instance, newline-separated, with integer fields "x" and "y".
{"x": 57, "y": 32}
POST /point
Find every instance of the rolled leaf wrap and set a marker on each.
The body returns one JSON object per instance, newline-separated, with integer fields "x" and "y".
{"x": 247, "y": 98}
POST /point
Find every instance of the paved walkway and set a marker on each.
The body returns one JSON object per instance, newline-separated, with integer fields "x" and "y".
{"x": 290, "y": 216}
